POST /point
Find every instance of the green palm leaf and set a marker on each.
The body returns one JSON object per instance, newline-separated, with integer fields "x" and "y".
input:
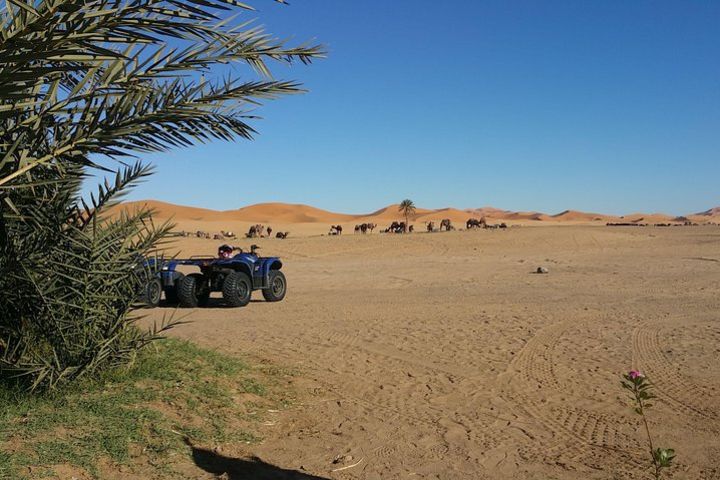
{"x": 87, "y": 80}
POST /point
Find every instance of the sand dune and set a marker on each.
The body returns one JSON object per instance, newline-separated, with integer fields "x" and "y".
{"x": 455, "y": 215}
{"x": 285, "y": 215}
{"x": 647, "y": 218}
{"x": 389, "y": 214}
{"x": 713, "y": 212}
{"x": 576, "y": 216}
{"x": 288, "y": 213}
{"x": 533, "y": 216}
{"x": 488, "y": 212}
{"x": 261, "y": 212}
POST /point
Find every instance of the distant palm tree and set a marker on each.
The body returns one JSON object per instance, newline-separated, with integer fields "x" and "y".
{"x": 407, "y": 207}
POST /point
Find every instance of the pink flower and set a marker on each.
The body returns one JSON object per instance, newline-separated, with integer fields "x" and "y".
{"x": 635, "y": 374}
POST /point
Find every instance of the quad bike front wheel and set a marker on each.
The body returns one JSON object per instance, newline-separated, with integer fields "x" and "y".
{"x": 237, "y": 289}
{"x": 152, "y": 293}
{"x": 193, "y": 291}
{"x": 277, "y": 286}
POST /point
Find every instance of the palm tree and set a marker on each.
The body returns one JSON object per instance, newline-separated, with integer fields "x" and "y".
{"x": 84, "y": 85}
{"x": 407, "y": 208}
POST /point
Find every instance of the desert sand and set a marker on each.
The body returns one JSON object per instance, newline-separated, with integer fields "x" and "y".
{"x": 443, "y": 356}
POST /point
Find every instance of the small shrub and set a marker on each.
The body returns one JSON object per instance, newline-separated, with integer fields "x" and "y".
{"x": 641, "y": 393}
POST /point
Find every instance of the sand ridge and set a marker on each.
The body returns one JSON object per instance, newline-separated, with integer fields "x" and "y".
{"x": 301, "y": 218}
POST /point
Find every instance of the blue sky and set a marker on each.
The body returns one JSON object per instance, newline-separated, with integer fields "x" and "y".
{"x": 606, "y": 106}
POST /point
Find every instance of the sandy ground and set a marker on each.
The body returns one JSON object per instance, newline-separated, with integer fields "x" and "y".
{"x": 442, "y": 356}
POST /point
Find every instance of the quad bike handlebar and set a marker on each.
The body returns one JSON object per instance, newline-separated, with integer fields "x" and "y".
{"x": 253, "y": 248}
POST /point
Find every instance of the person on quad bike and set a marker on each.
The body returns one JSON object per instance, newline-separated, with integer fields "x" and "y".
{"x": 225, "y": 252}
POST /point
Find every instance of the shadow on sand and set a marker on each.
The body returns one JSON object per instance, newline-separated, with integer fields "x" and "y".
{"x": 213, "y": 303}
{"x": 244, "y": 469}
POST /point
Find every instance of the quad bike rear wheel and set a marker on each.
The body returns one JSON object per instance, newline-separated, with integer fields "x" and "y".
{"x": 277, "y": 286}
{"x": 193, "y": 291}
{"x": 237, "y": 289}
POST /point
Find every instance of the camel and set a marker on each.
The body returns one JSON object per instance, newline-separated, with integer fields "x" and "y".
{"x": 217, "y": 236}
{"x": 475, "y": 223}
{"x": 336, "y": 229}
{"x": 255, "y": 231}
{"x": 282, "y": 235}
{"x": 227, "y": 234}
{"x": 397, "y": 227}
{"x": 447, "y": 224}
{"x": 497, "y": 225}
{"x": 365, "y": 227}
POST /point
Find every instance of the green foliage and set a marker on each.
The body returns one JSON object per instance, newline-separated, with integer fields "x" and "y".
{"x": 69, "y": 281}
{"x": 641, "y": 393}
{"x": 664, "y": 456}
{"x": 407, "y": 208}
{"x": 84, "y": 84}
{"x": 172, "y": 392}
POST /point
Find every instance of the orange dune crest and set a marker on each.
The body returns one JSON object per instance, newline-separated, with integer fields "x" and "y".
{"x": 286, "y": 213}
{"x": 261, "y": 212}
{"x": 647, "y": 218}
{"x": 455, "y": 215}
{"x": 713, "y": 212}
{"x": 389, "y": 214}
{"x": 524, "y": 216}
{"x": 576, "y": 216}
{"x": 490, "y": 212}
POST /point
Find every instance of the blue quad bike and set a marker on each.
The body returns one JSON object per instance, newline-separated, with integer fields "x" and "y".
{"x": 235, "y": 276}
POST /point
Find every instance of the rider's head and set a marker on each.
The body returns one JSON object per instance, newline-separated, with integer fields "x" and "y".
{"x": 225, "y": 251}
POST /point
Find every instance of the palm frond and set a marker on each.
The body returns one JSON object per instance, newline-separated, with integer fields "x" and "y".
{"x": 87, "y": 79}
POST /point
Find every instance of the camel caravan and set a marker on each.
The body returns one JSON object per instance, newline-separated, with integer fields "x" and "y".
{"x": 255, "y": 231}
{"x": 260, "y": 231}
{"x": 365, "y": 228}
{"x": 201, "y": 234}
{"x": 475, "y": 223}
{"x": 677, "y": 222}
{"x": 430, "y": 226}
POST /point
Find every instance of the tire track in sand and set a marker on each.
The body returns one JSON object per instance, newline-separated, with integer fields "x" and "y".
{"x": 576, "y": 430}
{"x": 674, "y": 387}
{"x": 404, "y": 397}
